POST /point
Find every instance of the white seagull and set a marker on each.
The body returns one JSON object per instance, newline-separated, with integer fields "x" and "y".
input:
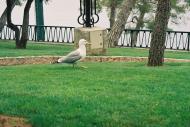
{"x": 75, "y": 55}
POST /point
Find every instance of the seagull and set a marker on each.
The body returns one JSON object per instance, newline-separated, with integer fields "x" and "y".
{"x": 75, "y": 55}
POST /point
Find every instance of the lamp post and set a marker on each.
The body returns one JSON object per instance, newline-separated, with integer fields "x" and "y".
{"x": 88, "y": 15}
{"x": 96, "y": 36}
{"x": 39, "y": 20}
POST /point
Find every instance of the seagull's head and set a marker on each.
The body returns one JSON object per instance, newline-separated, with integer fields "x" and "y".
{"x": 82, "y": 42}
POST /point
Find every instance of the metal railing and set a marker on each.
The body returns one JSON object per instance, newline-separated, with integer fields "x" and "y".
{"x": 176, "y": 40}
{"x": 51, "y": 33}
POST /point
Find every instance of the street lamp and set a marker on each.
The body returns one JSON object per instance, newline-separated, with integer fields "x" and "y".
{"x": 88, "y": 15}
{"x": 40, "y": 33}
{"x": 96, "y": 36}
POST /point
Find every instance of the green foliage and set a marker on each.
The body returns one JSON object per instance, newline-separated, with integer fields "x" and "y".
{"x": 178, "y": 9}
{"x": 188, "y": 1}
{"x": 150, "y": 25}
{"x": 175, "y": 15}
{"x": 108, "y": 3}
{"x": 144, "y": 6}
{"x": 18, "y": 2}
{"x": 149, "y": 7}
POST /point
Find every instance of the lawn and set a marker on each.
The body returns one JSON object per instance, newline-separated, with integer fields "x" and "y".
{"x": 103, "y": 95}
{"x": 7, "y": 48}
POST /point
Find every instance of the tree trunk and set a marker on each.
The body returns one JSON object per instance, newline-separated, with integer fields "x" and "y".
{"x": 10, "y": 4}
{"x": 119, "y": 25}
{"x": 156, "y": 52}
{"x": 112, "y": 12}
{"x": 3, "y": 18}
{"x": 140, "y": 23}
{"x": 24, "y": 37}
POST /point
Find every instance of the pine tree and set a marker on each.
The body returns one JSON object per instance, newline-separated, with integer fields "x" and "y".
{"x": 156, "y": 52}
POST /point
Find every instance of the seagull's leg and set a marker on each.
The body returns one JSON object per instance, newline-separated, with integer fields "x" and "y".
{"x": 74, "y": 64}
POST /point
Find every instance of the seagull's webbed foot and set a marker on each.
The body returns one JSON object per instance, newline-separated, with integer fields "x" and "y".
{"x": 75, "y": 65}
{"x": 84, "y": 67}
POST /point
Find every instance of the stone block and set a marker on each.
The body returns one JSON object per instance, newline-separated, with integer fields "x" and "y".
{"x": 96, "y": 36}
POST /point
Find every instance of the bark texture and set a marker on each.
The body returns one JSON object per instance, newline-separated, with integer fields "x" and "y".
{"x": 140, "y": 24}
{"x": 10, "y": 4}
{"x": 3, "y": 18}
{"x": 20, "y": 43}
{"x": 24, "y": 37}
{"x": 119, "y": 25}
{"x": 156, "y": 52}
{"x": 112, "y": 12}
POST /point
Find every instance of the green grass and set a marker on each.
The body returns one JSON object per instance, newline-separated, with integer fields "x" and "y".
{"x": 142, "y": 52}
{"x": 7, "y": 48}
{"x": 104, "y": 95}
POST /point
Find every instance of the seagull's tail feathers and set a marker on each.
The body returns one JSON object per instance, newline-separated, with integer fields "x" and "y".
{"x": 61, "y": 60}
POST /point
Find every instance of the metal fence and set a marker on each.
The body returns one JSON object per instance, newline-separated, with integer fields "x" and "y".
{"x": 176, "y": 40}
{"x": 51, "y": 33}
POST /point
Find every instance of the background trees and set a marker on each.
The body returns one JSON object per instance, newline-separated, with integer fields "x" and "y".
{"x": 142, "y": 14}
{"x": 166, "y": 9}
{"x": 24, "y": 37}
{"x": 10, "y": 4}
{"x": 21, "y": 42}
{"x": 119, "y": 25}
{"x": 112, "y": 6}
{"x": 144, "y": 11}
{"x": 3, "y": 17}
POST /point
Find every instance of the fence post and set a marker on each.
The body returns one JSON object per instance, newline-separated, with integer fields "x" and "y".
{"x": 188, "y": 42}
{"x": 132, "y": 32}
{"x": 35, "y": 32}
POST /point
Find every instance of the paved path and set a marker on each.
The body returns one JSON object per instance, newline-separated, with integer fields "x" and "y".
{"x": 4, "y": 61}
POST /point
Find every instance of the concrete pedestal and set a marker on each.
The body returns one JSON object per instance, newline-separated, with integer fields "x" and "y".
{"x": 96, "y": 36}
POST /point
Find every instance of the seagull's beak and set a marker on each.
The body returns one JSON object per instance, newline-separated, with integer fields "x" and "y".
{"x": 88, "y": 43}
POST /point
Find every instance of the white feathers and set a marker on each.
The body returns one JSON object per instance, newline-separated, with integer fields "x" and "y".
{"x": 76, "y": 55}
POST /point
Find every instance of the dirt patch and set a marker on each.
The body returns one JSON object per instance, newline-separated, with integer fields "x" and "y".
{"x": 6, "y": 121}
{"x": 4, "y": 61}
{"x": 27, "y": 60}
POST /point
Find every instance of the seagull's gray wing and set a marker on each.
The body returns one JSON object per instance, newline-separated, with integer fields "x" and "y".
{"x": 71, "y": 57}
